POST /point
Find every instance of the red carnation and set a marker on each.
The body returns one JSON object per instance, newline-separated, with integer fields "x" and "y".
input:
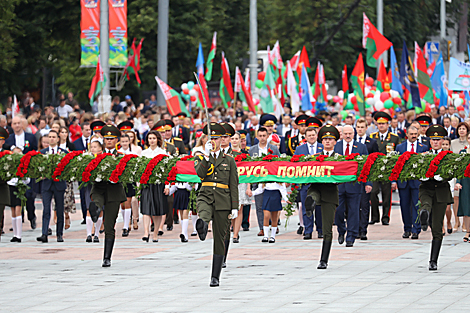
{"x": 367, "y": 166}
{"x": 150, "y": 166}
{"x": 270, "y": 151}
{"x": 351, "y": 156}
{"x": 24, "y": 163}
{"x": 63, "y": 163}
{"x": 93, "y": 165}
{"x": 398, "y": 168}
{"x": 117, "y": 172}
{"x": 296, "y": 158}
{"x": 186, "y": 158}
{"x": 433, "y": 167}
{"x": 321, "y": 157}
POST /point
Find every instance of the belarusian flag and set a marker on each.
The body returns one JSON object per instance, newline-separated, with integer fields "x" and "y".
{"x": 133, "y": 62}
{"x": 240, "y": 86}
{"x": 373, "y": 41}
{"x": 211, "y": 57}
{"x": 357, "y": 80}
{"x": 265, "y": 96}
{"x": 174, "y": 103}
{"x": 303, "y": 60}
{"x": 203, "y": 89}
{"x": 97, "y": 83}
{"x": 424, "y": 82}
{"x": 382, "y": 77}
{"x": 226, "y": 90}
{"x": 344, "y": 76}
{"x": 292, "y": 90}
{"x": 321, "y": 93}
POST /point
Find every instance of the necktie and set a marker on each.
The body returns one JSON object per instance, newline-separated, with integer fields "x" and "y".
{"x": 86, "y": 143}
{"x": 381, "y": 138}
{"x": 347, "y": 149}
{"x": 412, "y": 147}
{"x": 360, "y": 139}
{"x": 52, "y": 150}
{"x": 311, "y": 149}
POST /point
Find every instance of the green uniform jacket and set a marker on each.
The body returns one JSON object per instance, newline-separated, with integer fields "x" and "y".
{"x": 170, "y": 148}
{"x": 112, "y": 192}
{"x": 179, "y": 145}
{"x": 222, "y": 171}
{"x": 389, "y": 144}
{"x": 4, "y": 193}
{"x": 440, "y": 189}
{"x": 292, "y": 144}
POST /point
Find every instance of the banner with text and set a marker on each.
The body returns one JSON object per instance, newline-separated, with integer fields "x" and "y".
{"x": 117, "y": 33}
{"x": 282, "y": 171}
{"x": 90, "y": 32}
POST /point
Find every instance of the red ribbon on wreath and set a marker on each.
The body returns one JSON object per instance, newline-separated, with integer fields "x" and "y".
{"x": 63, "y": 163}
{"x": 24, "y": 163}
{"x": 149, "y": 168}
{"x": 170, "y": 180}
{"x": 351, "y": 156}
{"x": 269, "y": 157}
{"x": 320, "y": 158}
{"x": 467, "y": 171}
{"x": 398, "y": 168}
{"x": 296, "y": 158}
{"x": 434, "y": 166}
{"x": 186, "y": 158}
{"x": 117, "y": 172}
{"x": 93, "y": 165}
{"x": 367, "y": 166}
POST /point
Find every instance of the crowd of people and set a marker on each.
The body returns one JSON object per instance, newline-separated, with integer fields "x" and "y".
{"x": 148, "y": 130}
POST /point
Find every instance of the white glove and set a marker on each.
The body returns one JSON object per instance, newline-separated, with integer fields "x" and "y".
{"x": 438, "y": 178}
{"x": 208, "y": 148}
{"x": 424, "y": 179}
{"x": 234, "y": 214}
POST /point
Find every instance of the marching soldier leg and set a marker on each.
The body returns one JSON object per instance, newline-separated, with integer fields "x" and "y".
{"x": 205, "y": 212}
{"x": 112, "y": 211}
{"x": 426, "y": 198}
{"x": 2, "y": 209}
{"x": 374, "y": 203}
{"x": 438, "y": 212}
{"x": 386, "y": 202}
{"x": 220, "y": 227}
{"x": 96, "y": 203}
{"x": 312, "y": 199}
{"x": 328, "y": 217}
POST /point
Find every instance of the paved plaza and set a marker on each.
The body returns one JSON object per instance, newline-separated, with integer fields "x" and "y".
{"x": 383, "y": 274}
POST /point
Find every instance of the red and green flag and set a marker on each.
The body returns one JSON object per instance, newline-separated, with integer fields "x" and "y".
{"x": 226, "y": 89}
{"x": 240, "y": 88}
{"x": 374, "y": 42}
{"x": 303, "y": 60}
{"x": 382, "y": 77}
{"x": 133, "y": 61}
{"x": 97, "y": 83}
{"x": 424, "y": 82}
{"x": 211, "y": 57}
{"x": 265, "y": 97}
{"x": 357, "y": 81}
{"x": 174, "y": 103}
{"x": 203, "y": 92}
{"x": 344, "y": 76}
{"x": 320, "y": 93}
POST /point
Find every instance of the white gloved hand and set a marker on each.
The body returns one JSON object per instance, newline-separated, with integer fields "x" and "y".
{"x": 438, "y": 178}
{"x": 234, "y": 214}
{"x": 208, "y": 148}
{"x": 424, "y": 179}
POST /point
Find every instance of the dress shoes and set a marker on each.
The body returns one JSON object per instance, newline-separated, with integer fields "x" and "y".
{"x": 265, "y": 239}
{"x": 433, "y": 265}
{"x": 194, "y": 233}
{"x": 309, "y": 205}
{"x": 60, "y": 239}
{"x": 373, "y": 222}
{"x": 385, "y": 223}
{"x": 160, "y": 233}
{"x": 169, "y": 228}
{"x": 83, "y": 222}
{"x": 363, "y": 236}
{"x": 406, "y": 234}
{"x": 320, "y": 235}
{"x": 349, "y": 244}
{"x": 42, "y": 238}
{"x": 201, "y": 227}
{"x": 49, "y": 232}
{"x": 106, "y": 263}
{"x": 246, "y": 229}
{"x": 15, "y": 239}
{"x": 125, "y": 233}
{"x": 341, "y": 239}
{"x": 183, "y": 238}
{"x": 33, "y": 223}
{"x": 424, "y": 219}
{"x": 88, "y": 238}
{"x": 236, "y": 240}
{"x": 414, "y": 236}
{"x": 308, "y": 236}
{"x": 272, "y": 240}
{"x": 261, "y": 233}
{"x": 322, "y": 265}
{"x": 96, "y": 239}
{"x": 300, "y": 230}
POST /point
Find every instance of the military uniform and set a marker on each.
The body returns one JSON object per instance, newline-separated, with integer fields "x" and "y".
{"x": 217, "y": 197}
{"x": 4, "y": 189}
{"x": 386, "y": 144}
{"x": 424, "y": 121}
{"x": 325, "y": 195}
{"x": 110, "y": 196}
{"x": 434, "y": 195}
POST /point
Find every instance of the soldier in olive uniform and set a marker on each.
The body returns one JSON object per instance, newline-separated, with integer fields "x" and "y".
{"x": 4, "y": 190}
{"x": 218, "y": 196}
{"x": 176, "y": 141}
{"x": 325, "y": 195}
{"x": 225, "y": 139}
{"x": 435, "y": 195}
{"x": 387, "y": 142}
{"x": 109, "y": 195}
{"x": 162, "y": 127}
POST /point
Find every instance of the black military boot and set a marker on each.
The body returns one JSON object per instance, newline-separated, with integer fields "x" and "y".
{"x": 94, "y": 211}
{"x": 108, "y": 251}
{"x": 201, "y": 228}
{"x": 309, "y": 205}
{"x": 216, "y": 269}
{"x": 226, "y": 244}
{"x": 435, "y": 248}
{"x": 424, "y": 219}
{"x": 325, "y": 254}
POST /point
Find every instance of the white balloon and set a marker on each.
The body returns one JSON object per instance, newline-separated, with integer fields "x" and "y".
{"x": 379, "y": 105}
{"x": 350, "y": 96}
{"x": 341, "y": 94}
{"x": 377, "y": 95}
{"x": 458, "y": 102}
{"x": 329, "y": 97}
{"x": 454, "y": 95}
{"x": 370, "y": 101}
{"x": 184, "y": 86}
{"x": 193, "y": 92}
{"x": 366, "y": 90}
{"x": 394, "y": 93}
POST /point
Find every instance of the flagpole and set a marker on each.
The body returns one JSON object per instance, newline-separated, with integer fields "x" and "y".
{"x": 205, "y": 107}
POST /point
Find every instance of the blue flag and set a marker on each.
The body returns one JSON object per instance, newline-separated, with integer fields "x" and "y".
{"x": 306, "y": 91}
{"x": 200, "y": 60}
{"x": 396, "y": 83}
{"x": 466, "y": 103}
{"x": 407, "y": 76}
{"x": 437, "y": 80}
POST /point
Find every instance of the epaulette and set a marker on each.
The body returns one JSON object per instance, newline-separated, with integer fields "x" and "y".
{"x": 169, "y": 143}
{"x": 375, "y": 133}
{"x": 228, "y": 155}
{"x": 186, "y": 126}
{"x": 393, "y": 134}
{"x": 177, "y": 138}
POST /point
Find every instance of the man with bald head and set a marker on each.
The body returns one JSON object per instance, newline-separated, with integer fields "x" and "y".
{"x": 27, "y": 142}
{"x": 349, "y": 193}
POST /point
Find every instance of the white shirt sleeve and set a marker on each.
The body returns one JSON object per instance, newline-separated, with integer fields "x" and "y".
{"x": 259, "y": 190}
{"x": 282, "y": 189}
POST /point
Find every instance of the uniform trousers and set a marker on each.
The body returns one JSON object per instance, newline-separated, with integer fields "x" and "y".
{"x": 314, "y": 218}
{"x": 438, "y": 209}
{"x": 386, "y": 188}
{"x": 111, "y": 209}
{"x": 325, "y": 191}
{"x": 220, "y": 224}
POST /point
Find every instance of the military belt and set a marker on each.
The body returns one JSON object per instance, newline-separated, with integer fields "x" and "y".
{"x": 207, "y": 184}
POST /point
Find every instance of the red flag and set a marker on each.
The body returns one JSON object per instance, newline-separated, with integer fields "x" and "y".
{"x": 344, "y": 76}
{"x": 240, "y": 84}
{"x": 203, "y": 86}
{"x": 303, "y": 60}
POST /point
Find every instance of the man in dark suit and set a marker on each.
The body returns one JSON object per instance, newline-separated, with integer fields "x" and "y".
{"x": 51, "y": 189}
{"x": 409, "y": 190}
{"x": 325, "y": 195}
{"x": 81, "y": 144}
{"x": 387, "y": 142}
{"x": 258, "y": 149}
{"x": 349, "y": 193}
{"x": 179, "y": 130}
{"x": 395, "y": 129}
{"x": 372, "y": 147}
{"x": 310, "y": 148}
{"x": 451, "y": 131}
{"x": 27, "y": 142}
{"x": 402, "y": 123}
